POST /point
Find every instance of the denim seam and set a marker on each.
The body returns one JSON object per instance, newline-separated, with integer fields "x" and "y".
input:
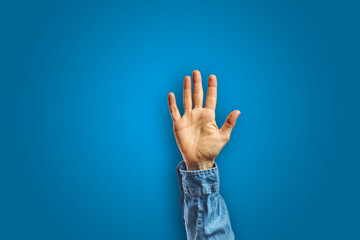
{"x": 216, "y": 185}
{"x": 199, "y": 172}
{"x": 199, "y": 192}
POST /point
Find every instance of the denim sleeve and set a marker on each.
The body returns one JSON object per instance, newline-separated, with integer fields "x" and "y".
{"x": 204, "y": 212}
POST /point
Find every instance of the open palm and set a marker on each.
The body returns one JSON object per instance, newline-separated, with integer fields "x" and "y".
{"x": 197, "y": 135}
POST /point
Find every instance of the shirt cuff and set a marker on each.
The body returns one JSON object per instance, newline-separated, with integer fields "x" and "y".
{"x": 198, "y": 182}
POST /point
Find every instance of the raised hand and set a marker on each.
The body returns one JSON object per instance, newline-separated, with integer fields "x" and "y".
{"x": 197, "y": 135}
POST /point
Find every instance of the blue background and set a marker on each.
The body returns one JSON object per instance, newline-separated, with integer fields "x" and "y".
{"x": 87, "y": 148}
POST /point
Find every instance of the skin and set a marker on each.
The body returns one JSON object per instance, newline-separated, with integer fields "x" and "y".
{"x": 198, "y": 137}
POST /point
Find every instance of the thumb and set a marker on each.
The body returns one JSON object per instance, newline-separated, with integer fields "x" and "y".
{"x": 229, "y": 124}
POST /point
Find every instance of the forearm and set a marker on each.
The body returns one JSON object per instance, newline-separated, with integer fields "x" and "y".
{"x": 204, "y": 211}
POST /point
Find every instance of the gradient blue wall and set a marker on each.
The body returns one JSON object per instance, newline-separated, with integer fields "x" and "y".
{"x": 87, "y": 148}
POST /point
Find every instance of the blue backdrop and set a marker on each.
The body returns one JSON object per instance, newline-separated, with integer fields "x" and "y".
{"x": 87, "y": 146}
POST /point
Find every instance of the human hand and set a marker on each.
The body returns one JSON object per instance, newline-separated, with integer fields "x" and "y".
{"x": 197, "y": 135}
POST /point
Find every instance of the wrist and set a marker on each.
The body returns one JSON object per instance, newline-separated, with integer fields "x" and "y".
{"x": 193, "y": 166}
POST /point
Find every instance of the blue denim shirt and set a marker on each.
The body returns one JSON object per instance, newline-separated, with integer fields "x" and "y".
{"x": 204, "y": 211}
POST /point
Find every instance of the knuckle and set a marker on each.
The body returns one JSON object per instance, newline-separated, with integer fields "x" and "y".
{"x": 196, "y": 91}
